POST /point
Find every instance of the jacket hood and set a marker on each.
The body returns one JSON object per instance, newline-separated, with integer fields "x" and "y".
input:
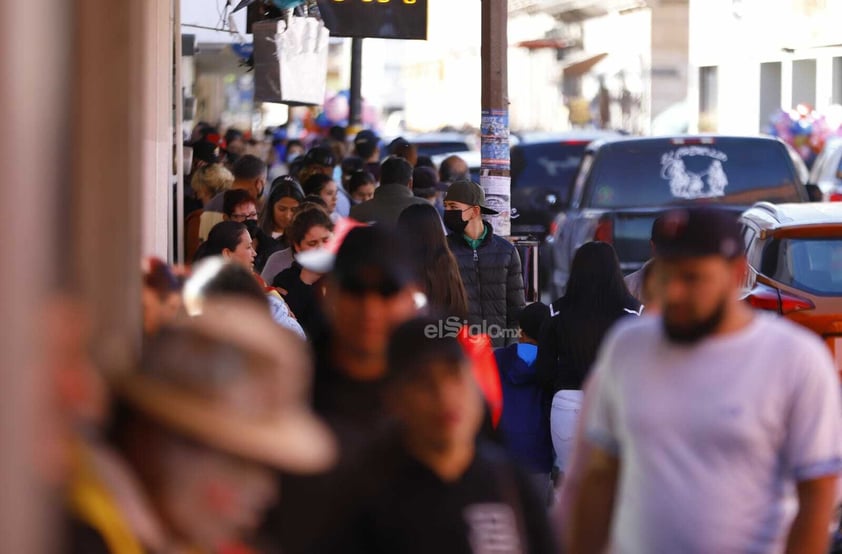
{"x": 514, "y": 368}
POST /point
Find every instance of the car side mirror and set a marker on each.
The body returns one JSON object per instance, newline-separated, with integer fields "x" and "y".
{"x": 814, "y": 193}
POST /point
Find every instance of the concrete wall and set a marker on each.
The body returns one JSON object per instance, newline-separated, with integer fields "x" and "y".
{"x": 669, "y": 54}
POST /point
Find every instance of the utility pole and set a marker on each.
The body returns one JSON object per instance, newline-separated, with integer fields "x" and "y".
{"x": 495, "y": 176}
{"x": 355, "y": 101}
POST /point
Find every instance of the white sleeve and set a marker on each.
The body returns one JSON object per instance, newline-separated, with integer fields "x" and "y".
{"x": 813, "y": 446}
{"x": 601, "y": 415}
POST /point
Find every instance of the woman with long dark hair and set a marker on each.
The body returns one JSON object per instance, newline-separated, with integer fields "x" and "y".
{"x": 285, "y": 197}
{"x": 421, "y": 228}
{"x": 595, "y": 299}
{"x": 324, "y": 187}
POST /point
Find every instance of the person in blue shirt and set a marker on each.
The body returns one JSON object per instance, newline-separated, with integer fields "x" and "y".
{"x": 524, "y": 424}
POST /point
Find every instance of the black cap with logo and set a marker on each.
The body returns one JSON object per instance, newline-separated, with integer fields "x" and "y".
{"x": 696, "y": 232}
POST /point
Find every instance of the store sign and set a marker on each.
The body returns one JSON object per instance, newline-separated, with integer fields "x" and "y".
{"x": 404, "y": 19}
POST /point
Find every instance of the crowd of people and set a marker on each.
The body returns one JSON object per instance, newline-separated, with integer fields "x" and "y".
{"x": 348, "y": 364}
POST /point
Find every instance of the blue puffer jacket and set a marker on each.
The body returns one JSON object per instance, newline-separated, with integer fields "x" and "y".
{"x": 525, "y": 425}
{"x": 493, "y": 282}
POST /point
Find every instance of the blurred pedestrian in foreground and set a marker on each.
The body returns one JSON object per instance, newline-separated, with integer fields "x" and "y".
{"x": 216, "y": 403}
{"x": 435, "y": 267}
{"x": 524, "y": 423}
{"x": 595, "y": 299}
{"x": 433, "y": 486}
{"x": 161, "y": 295}
{"x": 489, "y": 264}
{"x": 708, "y": 421}
{"x": 214, "y": 277}
{"x": 392, "y": 197}
{"x": 369, "y": 292}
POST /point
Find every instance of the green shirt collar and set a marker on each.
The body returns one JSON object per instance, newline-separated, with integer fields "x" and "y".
{"x": 474, "y": 243}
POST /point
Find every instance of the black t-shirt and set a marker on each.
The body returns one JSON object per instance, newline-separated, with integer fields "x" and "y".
{"x": 397, "y": 504}
{"x": 302, "y": 299}
{"x": 353, "y": 411}
{"x": 266, "y": 246}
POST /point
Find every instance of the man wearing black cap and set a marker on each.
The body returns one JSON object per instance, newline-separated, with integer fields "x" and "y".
{"x": 708, "y": 422}
{"x": 392, "y": 197}
{"x": 489, "y": 264}
{"x": 367, "y": 147}
{"x": 426, "y": 185}
{"x": 369, "y": 292}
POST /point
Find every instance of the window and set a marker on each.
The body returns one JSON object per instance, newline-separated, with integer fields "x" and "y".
{"x": 837, "y": 81}
{"x": 708, "y": 90}
{"x": 770, "y": 93}
{"x": 813, "y": 265}
{"x": 804, "y": 82}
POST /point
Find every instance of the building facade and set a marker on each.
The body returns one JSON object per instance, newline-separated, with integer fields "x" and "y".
{"x": 749, "y": 58}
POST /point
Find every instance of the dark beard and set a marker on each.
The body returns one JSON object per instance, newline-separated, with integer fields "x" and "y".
{"x": 697, "y": 332}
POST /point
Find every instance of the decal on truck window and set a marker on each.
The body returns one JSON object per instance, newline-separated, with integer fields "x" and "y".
{"x": 707, "y": 179}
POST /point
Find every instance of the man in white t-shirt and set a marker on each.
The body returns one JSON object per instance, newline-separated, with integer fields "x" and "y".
{"x": 709, "y": 422}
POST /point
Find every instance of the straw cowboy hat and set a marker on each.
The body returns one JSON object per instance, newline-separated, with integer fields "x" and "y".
{"x": 234, "y": 380}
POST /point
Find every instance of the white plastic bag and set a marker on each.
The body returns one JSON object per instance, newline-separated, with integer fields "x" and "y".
{"x": 290, "y": 62}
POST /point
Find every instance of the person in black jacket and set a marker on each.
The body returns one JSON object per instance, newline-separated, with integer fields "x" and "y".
{"x": 433, "y": 484}
{"x": 595, "y": 299}
{"x": 489, "y": 264}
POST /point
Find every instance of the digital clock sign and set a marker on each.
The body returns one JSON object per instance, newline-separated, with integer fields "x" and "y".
{"x": 404, "y": 19}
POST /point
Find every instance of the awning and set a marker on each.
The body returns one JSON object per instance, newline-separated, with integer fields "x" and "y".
{"x": 583, "y": 65}
{"x": 537, "y": 44}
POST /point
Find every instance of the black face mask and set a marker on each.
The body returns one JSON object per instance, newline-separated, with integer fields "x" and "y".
{"x": 453, "y": 221}
{"x": 252, "y": 226}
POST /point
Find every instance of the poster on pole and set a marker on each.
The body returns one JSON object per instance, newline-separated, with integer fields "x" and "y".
{"x": 498, "y": 197}
{"x": 495, "y": 170}
{"x": 403, "y": 19}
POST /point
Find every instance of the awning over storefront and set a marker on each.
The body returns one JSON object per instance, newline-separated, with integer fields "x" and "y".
{"x": 582, "y": 65}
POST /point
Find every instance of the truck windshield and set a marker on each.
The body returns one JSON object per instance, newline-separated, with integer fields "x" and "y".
{"x": 735, "y": 171}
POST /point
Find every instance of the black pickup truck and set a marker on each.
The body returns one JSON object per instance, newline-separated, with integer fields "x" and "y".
{"x": 623, "y": 184}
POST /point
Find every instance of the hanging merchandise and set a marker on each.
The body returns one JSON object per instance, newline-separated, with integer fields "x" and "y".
{"x": 290, "y": 61}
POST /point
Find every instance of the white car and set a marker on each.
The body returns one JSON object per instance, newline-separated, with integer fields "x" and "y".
{"x": 827, "y": 170}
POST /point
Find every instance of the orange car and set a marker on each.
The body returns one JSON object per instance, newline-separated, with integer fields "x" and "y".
{"x": 795, "y": 265}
